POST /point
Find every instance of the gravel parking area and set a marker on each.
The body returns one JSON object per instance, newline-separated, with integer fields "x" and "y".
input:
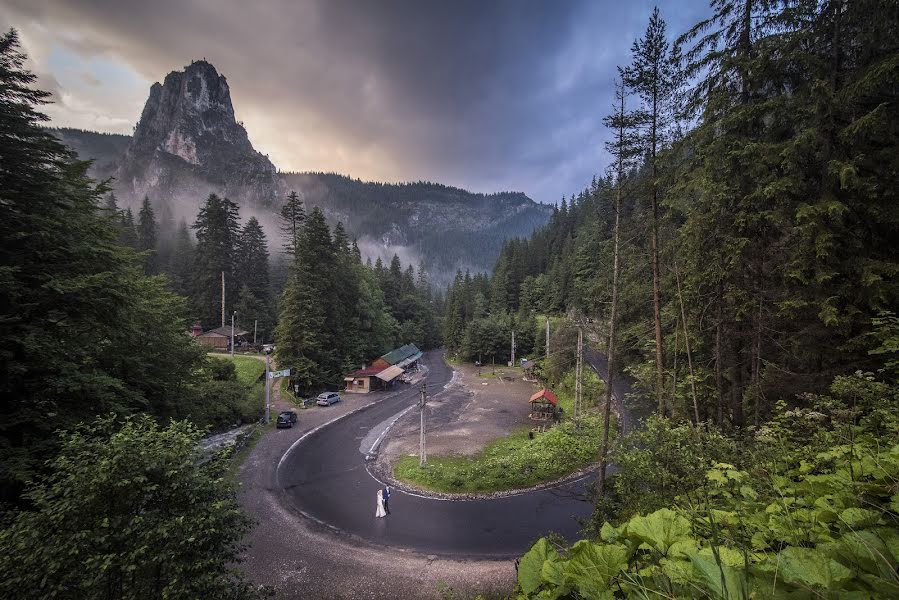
{"x": 461, "y": 421}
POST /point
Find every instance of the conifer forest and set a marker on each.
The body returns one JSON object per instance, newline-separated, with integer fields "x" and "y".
{"x": 736, "y": 262}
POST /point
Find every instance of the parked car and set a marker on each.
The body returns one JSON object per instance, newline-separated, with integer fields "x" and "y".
{"x": 327, "y": 398}
{"x": 287, "y": 419}
{"x": 268, "y": 348}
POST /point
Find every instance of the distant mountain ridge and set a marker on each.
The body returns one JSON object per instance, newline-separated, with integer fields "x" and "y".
{"x": 188, "y": 144}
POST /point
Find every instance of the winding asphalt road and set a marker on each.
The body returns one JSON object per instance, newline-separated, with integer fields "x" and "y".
{"x": 324, "y": 477}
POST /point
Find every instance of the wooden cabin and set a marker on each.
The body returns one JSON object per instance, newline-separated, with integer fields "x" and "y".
{"x": 544, "y": 406}
{"x": 220, "y": 337}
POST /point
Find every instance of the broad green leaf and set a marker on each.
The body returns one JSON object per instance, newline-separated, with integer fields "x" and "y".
{"x": 858, "y": 518}
{"x": 609, "y": 533}
{"x": 660, "y": 529}
{"x": 592, "y": 566}
{"x": 729, "y": 556}
{"x": 530, "y": 566}
{"x": 718, "y": 578}
{"x": 810, "y": 567}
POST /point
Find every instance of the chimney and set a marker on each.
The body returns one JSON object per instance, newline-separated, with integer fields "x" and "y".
{"x": 196, "y": 330}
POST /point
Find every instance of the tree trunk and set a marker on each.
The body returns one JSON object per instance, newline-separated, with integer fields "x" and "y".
{"x": 683, "y": 314}
{"x": 719, "y": 354}
{"x": 607, "y": 408}
{"x": 654, "y": 258}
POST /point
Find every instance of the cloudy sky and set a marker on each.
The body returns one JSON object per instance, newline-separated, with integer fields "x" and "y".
{"x": 486, "y": 95}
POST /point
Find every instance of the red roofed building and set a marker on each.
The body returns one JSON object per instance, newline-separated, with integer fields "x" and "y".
{"x": 363, "y": 380}
{"x": 543, "y": 405}
{"x": 546, "y": 395}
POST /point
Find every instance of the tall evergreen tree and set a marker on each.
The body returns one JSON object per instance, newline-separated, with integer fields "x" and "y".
{"x": 252, "y": 275}
{"x": 181, "y": 262}
{"x": 654, "y": 78}
{"x": 128, "y": 236}
{"x": 146, "y": 236}
{"x": 74, "y": 300}
{"x": 292, "y": 216}
{"x": 218, "y": 233}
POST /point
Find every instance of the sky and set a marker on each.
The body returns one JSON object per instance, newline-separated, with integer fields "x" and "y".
{"x": 487, "y": 95}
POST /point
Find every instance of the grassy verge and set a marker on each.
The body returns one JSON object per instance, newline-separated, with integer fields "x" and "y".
{"x": 509, "y": 463}
{"x": 248, "y": 369}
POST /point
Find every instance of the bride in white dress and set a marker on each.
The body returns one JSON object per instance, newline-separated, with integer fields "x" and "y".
{"x": 379, "y": 511}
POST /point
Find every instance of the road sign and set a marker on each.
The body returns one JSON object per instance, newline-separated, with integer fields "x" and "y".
{"x": 277, "y": 374}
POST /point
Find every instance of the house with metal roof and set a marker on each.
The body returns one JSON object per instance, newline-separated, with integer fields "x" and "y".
{"x": 403, "y": 357}
{"x": 383, "y": 371}
{"x": 220, "y": 337}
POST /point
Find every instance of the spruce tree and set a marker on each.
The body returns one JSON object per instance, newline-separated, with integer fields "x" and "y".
{"x": 292, "y": 216}
{"x": 218, "y": 233}
{"x": 128, "y": 235}
{"x": 146, "y": 236}
{"x": 653, "y": 76}
{"x": 252, "y": 275}
{"x": 82, "y": 330}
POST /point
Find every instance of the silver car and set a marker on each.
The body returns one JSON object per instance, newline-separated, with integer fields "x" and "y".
{"x": 327, "y": 398}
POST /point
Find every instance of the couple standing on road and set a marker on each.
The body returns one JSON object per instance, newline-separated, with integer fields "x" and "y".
{"x": 383, "y": 507}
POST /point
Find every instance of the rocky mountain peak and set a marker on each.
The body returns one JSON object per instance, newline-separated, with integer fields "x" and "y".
{"x": 188, "y": 124}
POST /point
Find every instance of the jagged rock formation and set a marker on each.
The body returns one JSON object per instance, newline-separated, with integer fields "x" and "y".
{"x": 188, "y": 143}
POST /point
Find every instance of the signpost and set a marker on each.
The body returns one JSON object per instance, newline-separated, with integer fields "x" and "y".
{"x": 269, "y": 377}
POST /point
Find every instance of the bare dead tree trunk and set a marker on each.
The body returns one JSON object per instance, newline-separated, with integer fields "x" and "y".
{"x": 613, "y": 313}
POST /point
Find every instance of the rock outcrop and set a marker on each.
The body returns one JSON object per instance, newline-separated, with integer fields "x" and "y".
{"x": 188, "y": 144}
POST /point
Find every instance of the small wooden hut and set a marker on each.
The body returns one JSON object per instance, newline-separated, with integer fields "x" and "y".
{"x": 543, "y": 406}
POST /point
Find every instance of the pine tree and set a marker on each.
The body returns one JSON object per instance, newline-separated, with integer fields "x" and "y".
{"x": 307, "y": 334}
{"x": 218, "y": 233}
{"x": 146, "y": 236}
{"x": 181, "y": 264}
{"x": 75, "y": 302}
{"x": 292, "y": 215}
{"x": 653, "y": 76}
{"x": 128, "y": 232}
{"x": 252, "y": 275}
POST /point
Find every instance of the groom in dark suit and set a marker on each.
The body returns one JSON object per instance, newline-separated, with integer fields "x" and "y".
{"x": 386, "y": 495}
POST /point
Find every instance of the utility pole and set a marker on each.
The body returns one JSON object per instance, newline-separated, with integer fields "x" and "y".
{"x": 513, "y": 348}
{"x": 547, "y": 338}
{"x": 232, "y": 333}
{"x": 268, "y": 392}
{"x": 422, "y": 452}
{"x": 578, "y": 372}
{"x": 255, "y": 323}
{"x": 223, "y": 298}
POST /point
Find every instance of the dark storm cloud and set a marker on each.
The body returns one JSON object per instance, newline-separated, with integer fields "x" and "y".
{"x": 486, "y": 95}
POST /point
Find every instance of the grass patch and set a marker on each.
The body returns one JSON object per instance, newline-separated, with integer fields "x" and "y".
{"x": 248, "y": 369}
{"x": 509, "y": 463}
{"x": 250, "y": 406}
